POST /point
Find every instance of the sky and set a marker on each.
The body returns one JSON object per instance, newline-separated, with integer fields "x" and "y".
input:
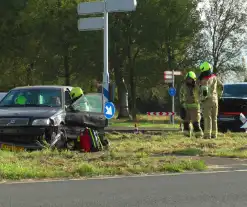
{"x": 230, "y": 78}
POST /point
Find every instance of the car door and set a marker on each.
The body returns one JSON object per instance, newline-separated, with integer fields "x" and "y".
{"x": 87, "y": 111}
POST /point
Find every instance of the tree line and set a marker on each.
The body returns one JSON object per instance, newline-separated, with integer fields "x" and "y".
{"x": 40, "y": 44}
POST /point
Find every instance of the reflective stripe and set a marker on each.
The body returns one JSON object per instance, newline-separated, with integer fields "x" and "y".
{"x": 92, "y": 137}
{"x": 194, "y": 105}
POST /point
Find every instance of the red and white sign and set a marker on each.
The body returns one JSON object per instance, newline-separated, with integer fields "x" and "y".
{"x": 161, "y": 113}
{"x": 168, "y": 74}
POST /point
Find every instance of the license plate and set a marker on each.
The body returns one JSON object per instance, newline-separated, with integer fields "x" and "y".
{"x": 12, "y": 148}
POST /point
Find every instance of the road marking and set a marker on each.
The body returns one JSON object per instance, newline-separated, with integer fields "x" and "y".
{"x": 119, "y": 177}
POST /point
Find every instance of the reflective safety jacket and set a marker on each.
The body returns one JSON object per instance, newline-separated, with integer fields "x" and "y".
{"x": 210, "y": 88}
{"x": 189, "y": 96}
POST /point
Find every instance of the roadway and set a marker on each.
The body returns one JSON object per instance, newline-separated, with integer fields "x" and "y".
{"x": 226, "y": 189}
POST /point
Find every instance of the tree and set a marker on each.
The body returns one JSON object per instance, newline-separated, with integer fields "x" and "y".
{"x": 224, "y": 33}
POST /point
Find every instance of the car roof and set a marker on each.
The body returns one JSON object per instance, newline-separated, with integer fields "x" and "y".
{"x": 43, "y": 86}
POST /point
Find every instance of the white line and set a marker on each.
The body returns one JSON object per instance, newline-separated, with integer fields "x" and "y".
{"x": 119, "y": 177}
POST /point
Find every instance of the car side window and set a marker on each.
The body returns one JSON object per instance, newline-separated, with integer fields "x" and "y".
{"x": 67, "y": 98}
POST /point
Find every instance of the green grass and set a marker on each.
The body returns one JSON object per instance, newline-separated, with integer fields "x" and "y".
{"x": 146, "y": 124}
{"x": 145, "y": 121}
{"x": 175, "y": 144}
{"x": 128, "y": 154}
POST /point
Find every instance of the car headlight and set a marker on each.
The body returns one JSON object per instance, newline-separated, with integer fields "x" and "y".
{"x": 41, "y": 122}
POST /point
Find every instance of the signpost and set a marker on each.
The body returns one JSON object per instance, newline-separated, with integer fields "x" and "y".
{"x": 169, "y": 77}
{"x": 98, "y": 23}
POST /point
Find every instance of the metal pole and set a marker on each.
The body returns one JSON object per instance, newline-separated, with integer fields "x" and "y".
{"x": 105, "y": 87}
{"x": 173, "y": 107}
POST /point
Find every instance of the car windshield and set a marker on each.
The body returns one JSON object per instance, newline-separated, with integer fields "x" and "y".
{"x": 235, "y": 90}
{"x": 47, "y": 97}
{"x": 2, "y": 94}
{"x": 90, "y": 102}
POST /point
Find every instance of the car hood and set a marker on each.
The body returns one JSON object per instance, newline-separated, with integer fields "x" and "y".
{"x": 28, "y": 112}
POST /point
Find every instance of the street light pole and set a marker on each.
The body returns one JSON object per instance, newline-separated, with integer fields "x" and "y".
{"x": 105, "y": 87}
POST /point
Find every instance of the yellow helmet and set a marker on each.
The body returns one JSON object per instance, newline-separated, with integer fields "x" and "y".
{"x": 76, "y": 92}
{"x": 205, "y": 67}
{"x": 21, "y": 100}
{"x": 191, "y": 75}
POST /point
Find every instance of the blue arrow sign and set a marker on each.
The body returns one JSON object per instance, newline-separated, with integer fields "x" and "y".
{"x": 109, "y": 110}
{"x": 172, "y": 91}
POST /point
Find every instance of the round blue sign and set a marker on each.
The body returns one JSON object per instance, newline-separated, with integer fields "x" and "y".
{"x": 172, "y": 91}
{"x": 109, "y": 110}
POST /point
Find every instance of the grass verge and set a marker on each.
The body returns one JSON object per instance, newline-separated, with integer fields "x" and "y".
{"x": 146, "y": 121}
{"x": 47, "y": 164}
{"x": 129, "y": 154}
{"x": 231, "y": 145}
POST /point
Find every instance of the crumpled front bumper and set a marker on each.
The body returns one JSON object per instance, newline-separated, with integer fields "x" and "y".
{"x": 27, "y": 137}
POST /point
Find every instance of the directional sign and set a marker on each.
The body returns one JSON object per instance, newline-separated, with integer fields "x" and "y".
{"x": 109, "y": 110}
{"x": 121, "y": 5}
{"x": 94, "y": 7}
{"x": 167, "y": 77}
{"x": 170, "y": 73}
{"x": 97, "y": 7}
{"x": 172, "y": 91}
{"x": 94, "y": 23}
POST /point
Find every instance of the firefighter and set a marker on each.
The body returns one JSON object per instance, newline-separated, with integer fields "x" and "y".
{"x": 189, "y": 100}
{"x": 209, "y": 85}
{"x": 77, "y": 93}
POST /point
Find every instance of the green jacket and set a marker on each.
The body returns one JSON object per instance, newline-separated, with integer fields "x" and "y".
{"x": 189, "y": 97}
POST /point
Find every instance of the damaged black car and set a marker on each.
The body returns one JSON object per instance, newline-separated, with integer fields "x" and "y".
{"x": 47, "y": 118}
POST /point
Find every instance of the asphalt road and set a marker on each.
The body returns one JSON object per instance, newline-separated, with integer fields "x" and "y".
{"x": 194, "y": 190}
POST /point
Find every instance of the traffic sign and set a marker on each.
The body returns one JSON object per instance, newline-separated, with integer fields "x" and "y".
{"x": 94, "y": 23}
{"x": 167, "y": 77}
{"x": 121, "y": 5}
{"x": 172, "y": 91}
{"x": 109, "y": 110}
{"x": 94, "y": 7}
{"x": 175, "y": 72}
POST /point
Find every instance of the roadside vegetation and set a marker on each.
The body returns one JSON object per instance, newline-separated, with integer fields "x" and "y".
{"x": 128, "y": 154}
